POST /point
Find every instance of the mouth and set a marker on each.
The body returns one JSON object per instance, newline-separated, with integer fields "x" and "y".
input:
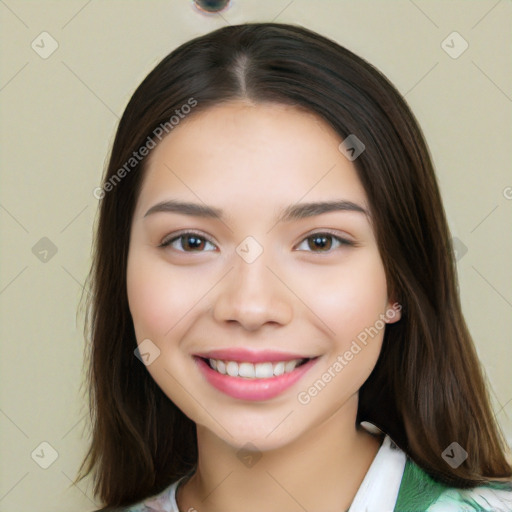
{"x": 257, "y": 381}
{"x": 247, "y": 370}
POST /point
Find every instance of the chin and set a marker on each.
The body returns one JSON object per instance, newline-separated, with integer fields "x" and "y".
{"x": 245, "y": 435}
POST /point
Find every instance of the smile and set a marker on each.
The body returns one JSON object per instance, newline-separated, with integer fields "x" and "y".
{"x": 257, "y": 381}
{"x": 248, "y": 370}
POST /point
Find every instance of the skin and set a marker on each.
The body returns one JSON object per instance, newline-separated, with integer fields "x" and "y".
{"x": 253, "y": 160}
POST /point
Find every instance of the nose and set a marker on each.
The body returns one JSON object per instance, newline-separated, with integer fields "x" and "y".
{"x": 251, "y": 295}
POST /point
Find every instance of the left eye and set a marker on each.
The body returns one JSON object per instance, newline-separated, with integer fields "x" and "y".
{"x": 324, "y": 242}
{"x": 189, "y": 242}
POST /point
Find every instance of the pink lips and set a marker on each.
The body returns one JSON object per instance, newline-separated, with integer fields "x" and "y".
{"x": 251, "y": 389}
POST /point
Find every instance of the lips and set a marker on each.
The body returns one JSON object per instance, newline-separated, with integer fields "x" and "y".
{"x": 249, "y": 375}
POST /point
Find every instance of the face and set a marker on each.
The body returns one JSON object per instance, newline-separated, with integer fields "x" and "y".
{"x": 265, "y": 294}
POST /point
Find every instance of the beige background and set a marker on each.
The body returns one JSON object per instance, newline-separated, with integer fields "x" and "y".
{"x": 58, "y": 120}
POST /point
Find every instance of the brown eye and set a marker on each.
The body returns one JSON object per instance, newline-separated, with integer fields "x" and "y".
{"x": 323, "y": 242}
{"x": 192, "y": 242}
{"x": 187, "y": 242}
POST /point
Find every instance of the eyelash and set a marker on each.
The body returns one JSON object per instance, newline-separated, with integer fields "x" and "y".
{"x": 342, "y": 241}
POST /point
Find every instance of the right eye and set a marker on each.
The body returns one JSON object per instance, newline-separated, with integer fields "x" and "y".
{"x": 189, "y": 241}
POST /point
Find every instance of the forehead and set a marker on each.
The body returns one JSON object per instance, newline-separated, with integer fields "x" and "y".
{"x": 243, "y": 151}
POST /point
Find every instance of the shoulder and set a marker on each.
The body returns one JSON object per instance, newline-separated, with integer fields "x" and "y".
{"x": 491, "y": 497}
{"x": 421, "y": 493}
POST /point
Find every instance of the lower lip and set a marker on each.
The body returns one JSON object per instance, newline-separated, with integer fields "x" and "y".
{"x": 252, "y": 389}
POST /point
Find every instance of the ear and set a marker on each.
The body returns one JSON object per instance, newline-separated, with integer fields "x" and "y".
{"x": 393, "y": 312}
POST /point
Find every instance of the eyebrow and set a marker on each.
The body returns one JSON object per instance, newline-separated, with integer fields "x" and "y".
{"x": 293, "y": 212}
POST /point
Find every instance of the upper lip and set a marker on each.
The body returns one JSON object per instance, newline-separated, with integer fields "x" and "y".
{"x": 243, "y": 355}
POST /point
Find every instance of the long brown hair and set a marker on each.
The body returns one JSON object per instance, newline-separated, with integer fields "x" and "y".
{"x": 427, "y": 389}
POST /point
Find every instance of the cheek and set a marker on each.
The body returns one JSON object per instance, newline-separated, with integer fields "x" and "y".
{"x": 158, "y": 299}
{"x": 159, "y": 302}
{"x": 353, "y": 298}
{"x": 352, "y": 307}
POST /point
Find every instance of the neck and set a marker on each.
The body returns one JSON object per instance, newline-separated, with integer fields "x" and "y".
{"x": 321, "y": 470}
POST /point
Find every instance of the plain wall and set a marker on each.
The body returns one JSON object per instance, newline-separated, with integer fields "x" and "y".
{"x": 58, "y": 118}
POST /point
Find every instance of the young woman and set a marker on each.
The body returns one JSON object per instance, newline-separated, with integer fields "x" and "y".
{"x": 275, "y": 320}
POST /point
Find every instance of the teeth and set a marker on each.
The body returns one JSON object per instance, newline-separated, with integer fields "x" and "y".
{"x": 221, "y": 366}
{"x": 246, "y": 370}
{"x": 232, "y": 369}
{"x": 278, "y": 369}
{"x": 289, "y": 366}
{"x": 254, "y": 371}
{"x": 264, "y": 370}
